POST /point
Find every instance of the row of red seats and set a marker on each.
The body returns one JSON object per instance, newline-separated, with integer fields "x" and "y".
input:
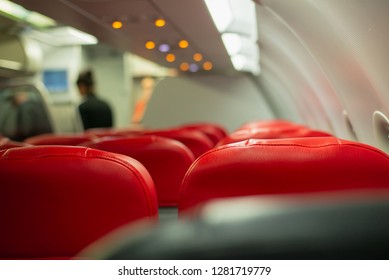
{"x": 310, "y": 197}
{"x": 91, "y": 186}
{"x": 57, "y": 199}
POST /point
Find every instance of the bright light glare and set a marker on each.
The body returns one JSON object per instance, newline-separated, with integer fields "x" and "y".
{"x": 13, "y": 9}
{"x": 85, "y": 38}
{"x": 232, "y": 42}
{"x": 221, "y": 13}
{"x": 40, "y": 20}
{"x": 239, "y": 61}
{"x": 16, "y": 11}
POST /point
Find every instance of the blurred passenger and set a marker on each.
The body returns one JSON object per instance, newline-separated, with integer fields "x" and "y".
{"x": 94, "y": 111}
{"x": 31, "y": 117}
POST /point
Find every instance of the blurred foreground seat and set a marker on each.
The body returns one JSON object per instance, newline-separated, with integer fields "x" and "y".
{"x": 342, "y": 225}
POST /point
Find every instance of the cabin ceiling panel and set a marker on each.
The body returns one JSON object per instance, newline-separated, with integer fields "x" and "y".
{"x": 186, "y": 19}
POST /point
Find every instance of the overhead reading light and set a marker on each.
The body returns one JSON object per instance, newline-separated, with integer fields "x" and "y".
{"x": 237, "y": 24}
{"x": 184, "y": 66}
{"x": 164, "y": 48}
{"x": 207, "y": 66}
{"x": 160, "y": 22}
{"x": 170, "y": 57}
{"x": 183, "y": 44}
{"x": 197, "y": 57}
{"x": 117, "y": 24}
{"x": 149, "y": 45}
{"x": 17, "y": 12}
{"x": 193, "y": 67}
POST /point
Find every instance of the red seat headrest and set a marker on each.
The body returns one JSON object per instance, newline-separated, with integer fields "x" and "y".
{"x": 281, "y": 166}
{"x": 271, "y": 133}
{"x": 213, "y": 131}
{"x": 59, "y": 139}
{"x": 56, "y": 200}
{"x": 166, "y": 159}
{"x": 6, "y": 143}
{"x": 196, "y": 141}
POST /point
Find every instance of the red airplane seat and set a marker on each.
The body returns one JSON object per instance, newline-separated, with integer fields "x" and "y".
{"x": 6, "y": 143}
{"x": 59, "y": 139}
{"x": 268, "y": 124}
{"x": 196, "y": 141}
{"x": 56, "y": 200}
{"x": 282, "y": 166}
{"x": 102, "y": 132}
{"x": 166, "y": 159}
{"x": 271, "y": 133}
{"x": 214, "y": 132}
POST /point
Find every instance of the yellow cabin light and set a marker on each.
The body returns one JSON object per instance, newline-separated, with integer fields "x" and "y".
{"x": 117, "y": 24}
{"x": 207, "y": 66}
{"x": 150, "y": 45}
{"x": 197, "y": 57}
{"x": 170, "y": 57}
{"x": 160, "y": 22}
{"x": 184, "y": 66}
{"x": 183, "y": 44}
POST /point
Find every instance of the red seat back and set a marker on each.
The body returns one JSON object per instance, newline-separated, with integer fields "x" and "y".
{"x": 6, "y": 143}
{"x": 213, "y": 131}
{"x": 278, "y": 123}
{"x": 282, "y": 166}
{"x": 196, "y": 141}
{"x": 167, "y": 161}
{"x": 59, "y": 139}
{"x": 56, "y": 200}
{"x": 271, "y": 133}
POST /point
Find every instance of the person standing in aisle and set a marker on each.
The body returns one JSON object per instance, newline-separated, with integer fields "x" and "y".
{"x": 94, "y": 112}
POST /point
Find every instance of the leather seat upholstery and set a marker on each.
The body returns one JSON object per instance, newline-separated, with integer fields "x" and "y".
{"x": 282, "y": 166}
{"x": 56, "y": 200}
{"x": 166, "y": 159}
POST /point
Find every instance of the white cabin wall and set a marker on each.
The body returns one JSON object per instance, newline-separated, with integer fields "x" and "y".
{"x": 113, "y": 81}
{"x": 229, "y": 101}
{"x": 64, "y": 104}
{"x": 294, "y": 79}
{"x": 339, "y": 51}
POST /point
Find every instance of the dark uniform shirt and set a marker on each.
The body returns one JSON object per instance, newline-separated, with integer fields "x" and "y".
{"x": 95, "y": 113}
